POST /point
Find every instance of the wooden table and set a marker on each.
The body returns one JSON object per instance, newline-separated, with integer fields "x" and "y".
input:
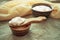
{"x": 48, "y": 30}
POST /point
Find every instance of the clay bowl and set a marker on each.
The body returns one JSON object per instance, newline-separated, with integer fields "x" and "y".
{"x": 36, "y": 13}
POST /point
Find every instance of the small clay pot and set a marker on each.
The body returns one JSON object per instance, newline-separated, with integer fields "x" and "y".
{"x": 39, "y": 13}
{"x": 20, "y": 31}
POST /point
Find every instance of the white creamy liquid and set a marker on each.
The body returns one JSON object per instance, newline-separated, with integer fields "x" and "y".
{"x": 42, "y": 8}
